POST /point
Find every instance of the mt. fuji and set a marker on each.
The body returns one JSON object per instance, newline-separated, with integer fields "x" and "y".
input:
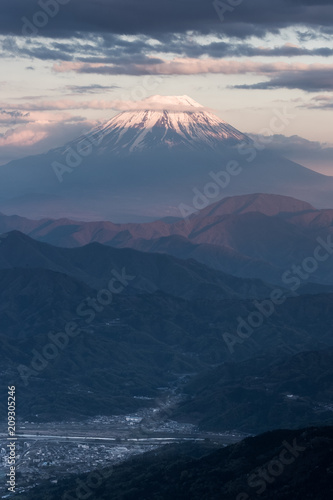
{"x": 170, "y": 121}
{"x": 147, "y": 162}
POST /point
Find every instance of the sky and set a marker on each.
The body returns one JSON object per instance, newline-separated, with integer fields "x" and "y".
{"x": 68, "y": 65}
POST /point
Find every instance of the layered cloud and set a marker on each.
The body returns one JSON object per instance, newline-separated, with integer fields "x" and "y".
{"x": 315, "y": 78}
{"x": 179, "y": 66}
{"x": 114, "y": 49}
{"x": 239, "y": 19}
{"x": 308, "y": 77}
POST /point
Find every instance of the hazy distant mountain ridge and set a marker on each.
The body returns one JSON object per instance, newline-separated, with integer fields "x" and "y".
{"x": 252, "y": 236}
{"x": 94, "y": 263}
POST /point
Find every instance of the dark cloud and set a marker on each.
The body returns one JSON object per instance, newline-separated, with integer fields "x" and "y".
{"x": 90, "y": 89}
{"x": 12, "y": 117}
{"x": 311, "y": 80}
{"x": 253, "y": 17}
{"x": 119, "y": 69}
{"x": 312, "y": 35}
{"x": 321, "y": 102}
{"x": 222, "y": 49}
{"x": 10, "y": 46}
{"x": 13, "y": 114}
{"x": 113, "y": 49}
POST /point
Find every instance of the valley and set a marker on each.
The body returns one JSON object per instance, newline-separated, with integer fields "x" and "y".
{"x": 166, "y": 314}
{"x": 52, "y": 450}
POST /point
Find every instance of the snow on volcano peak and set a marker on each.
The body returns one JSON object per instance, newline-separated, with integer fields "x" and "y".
{"x": 167, "y": 121}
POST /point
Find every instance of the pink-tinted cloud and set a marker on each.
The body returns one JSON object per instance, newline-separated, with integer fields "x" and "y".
{"x": 187, "y": 66}
{"x": 22, "y": 137}
{"x": 47, "y": 132}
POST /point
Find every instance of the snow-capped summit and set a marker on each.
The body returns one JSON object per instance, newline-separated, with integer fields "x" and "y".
{"x": 166, "y": 121}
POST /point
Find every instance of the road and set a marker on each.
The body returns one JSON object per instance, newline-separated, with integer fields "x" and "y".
{"x": 220, "y": 438}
